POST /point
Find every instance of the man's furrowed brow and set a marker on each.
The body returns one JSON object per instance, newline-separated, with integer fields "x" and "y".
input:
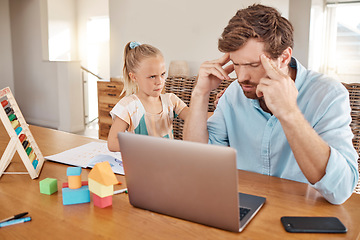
{"x": 247, "y": 63}
{"x": 235, "y": 63}
{"x": 252, "y": 63}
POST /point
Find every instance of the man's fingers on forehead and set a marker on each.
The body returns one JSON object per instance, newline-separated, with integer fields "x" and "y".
{"x": 215, "y": 72}
{"x": 224, "y": 59}
{"x": 222, "y": 72}
{"x": 266, "y": 62}
{"x": 229, "y": 68}
{"x": 269, "y": 65}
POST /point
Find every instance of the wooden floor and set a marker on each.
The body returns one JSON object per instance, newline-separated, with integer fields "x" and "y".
{"x": 91, "y": 130}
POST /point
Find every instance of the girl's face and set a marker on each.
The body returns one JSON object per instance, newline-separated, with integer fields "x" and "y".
{"x": 150, "y": 76}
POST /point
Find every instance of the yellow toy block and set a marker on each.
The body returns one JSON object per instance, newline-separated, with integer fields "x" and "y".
{"x": 100, "y": 189}
{"x": 103, "y": 174}
{"x": 74, "y": 182}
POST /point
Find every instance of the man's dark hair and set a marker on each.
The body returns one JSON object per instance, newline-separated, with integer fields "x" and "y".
{"x": 260, "y": 22}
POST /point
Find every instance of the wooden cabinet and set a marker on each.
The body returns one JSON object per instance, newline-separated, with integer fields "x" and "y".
{"x": 108, "y": 96}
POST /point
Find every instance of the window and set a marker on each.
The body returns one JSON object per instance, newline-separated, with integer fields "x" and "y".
{"x": 342, "y": 54}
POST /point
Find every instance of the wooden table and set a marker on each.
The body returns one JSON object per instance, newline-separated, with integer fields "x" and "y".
{"x": 52, "y": 220}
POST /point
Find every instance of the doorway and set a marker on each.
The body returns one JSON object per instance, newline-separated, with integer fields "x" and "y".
{"x": 97, "y": 59}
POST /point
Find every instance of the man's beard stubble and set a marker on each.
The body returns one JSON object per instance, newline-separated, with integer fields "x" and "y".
{"x": 248, "y": 94}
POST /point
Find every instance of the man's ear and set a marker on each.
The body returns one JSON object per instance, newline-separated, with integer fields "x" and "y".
{"x": 132, "y": 76}
{"x": 285, "y": 57}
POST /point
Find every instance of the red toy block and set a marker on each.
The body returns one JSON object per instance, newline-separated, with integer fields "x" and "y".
{"x": 102, "y": 202}
{"x": 66, "y": 184}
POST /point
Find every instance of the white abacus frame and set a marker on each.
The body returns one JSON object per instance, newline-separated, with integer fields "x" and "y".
{"x": 15, "y": 143}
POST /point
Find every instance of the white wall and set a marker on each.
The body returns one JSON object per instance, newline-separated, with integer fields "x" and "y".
{"x": 182, "y": 30}
{"x": 86, "y": 11}
{"x": 41, "y": 90}
{"x": 70, "y": 90}
{"x": 299, "y": 16}
{"x": 6, "y": 65}
{"x": 62, "y": 30}
{"x": 35, "y": 85}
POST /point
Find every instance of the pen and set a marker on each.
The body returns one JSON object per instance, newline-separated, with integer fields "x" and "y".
{"x": 14, "y": 217}
{"x": 15, "y": 221}
{"x": 120, "y": 191}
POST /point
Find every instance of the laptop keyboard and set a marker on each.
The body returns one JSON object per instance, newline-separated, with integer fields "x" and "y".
{"x": 243, "y": 212}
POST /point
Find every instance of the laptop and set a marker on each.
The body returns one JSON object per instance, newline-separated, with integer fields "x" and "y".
{"x": 192, "y": 181}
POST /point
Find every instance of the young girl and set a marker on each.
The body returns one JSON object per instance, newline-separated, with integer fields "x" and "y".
{"x": 144, "y": 110}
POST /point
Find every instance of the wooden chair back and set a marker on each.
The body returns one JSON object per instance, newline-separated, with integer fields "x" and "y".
{"x": 354, "y": 95}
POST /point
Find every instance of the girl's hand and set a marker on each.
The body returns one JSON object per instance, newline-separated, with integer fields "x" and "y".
{"x": 218, "y": 96}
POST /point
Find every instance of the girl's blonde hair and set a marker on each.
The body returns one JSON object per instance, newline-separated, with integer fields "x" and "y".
{"x": 134, "y": 53}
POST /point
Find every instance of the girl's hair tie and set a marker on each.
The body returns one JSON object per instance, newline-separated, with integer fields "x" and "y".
{"x": 134, "y": 44}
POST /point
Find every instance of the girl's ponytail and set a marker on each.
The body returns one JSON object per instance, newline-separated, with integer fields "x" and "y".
{"x": 134, "y": 53}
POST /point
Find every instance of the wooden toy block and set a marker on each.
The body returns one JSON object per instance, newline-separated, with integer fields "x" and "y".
{"x": 74, "y": 182}
{"x": 18, "y": 130}
{"x": 101, "y": 202}
{"x": 100, "y": 189}
{"x": 76, "y": 196}
{"x": 83, "y": 183}
{"x": 103, "y": 174}
{"x": 73, "y": 171}
{"x": 74, "y": 177}
{"x": 48, "y": 186}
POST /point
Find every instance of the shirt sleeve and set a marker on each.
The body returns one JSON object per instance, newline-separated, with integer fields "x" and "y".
{"x": 216, "y": 124}
{"x": 341, "y": 174}
{"x": 121, "y": 111}
{"x": 178, "y": 104}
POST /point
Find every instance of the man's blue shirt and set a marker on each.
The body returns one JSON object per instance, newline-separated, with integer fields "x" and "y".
{"x": 261, "y": 144}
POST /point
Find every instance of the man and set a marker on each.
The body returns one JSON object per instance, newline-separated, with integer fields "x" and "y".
{"x": 282, "y": 119}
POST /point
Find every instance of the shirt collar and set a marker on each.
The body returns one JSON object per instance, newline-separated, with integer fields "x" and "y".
{"x": 301, "y": 72}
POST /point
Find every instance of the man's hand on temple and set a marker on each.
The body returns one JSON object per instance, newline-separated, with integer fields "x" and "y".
{"x": 211, "y": 74}
{"x": 278, "y": 89}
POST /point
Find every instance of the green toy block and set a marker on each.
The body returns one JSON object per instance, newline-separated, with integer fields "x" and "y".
{"x": 48, "y": 186}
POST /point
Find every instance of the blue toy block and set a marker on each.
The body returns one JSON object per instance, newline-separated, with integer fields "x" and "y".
{"x": 76, "y": 196}
{"x": 73, "y": 171}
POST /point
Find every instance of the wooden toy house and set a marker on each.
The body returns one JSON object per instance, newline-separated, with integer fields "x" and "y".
{"x": 101, "y": 183}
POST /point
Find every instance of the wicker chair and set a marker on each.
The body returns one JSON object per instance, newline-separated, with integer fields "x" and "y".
{"x": 183, "y": 87}
{"x": 354, "y": 94}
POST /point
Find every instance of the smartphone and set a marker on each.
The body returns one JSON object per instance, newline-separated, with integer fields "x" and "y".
{"x": 313, "y": 225}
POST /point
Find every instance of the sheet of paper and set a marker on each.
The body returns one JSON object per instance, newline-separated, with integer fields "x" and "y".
{"x": 82, "y": 156}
